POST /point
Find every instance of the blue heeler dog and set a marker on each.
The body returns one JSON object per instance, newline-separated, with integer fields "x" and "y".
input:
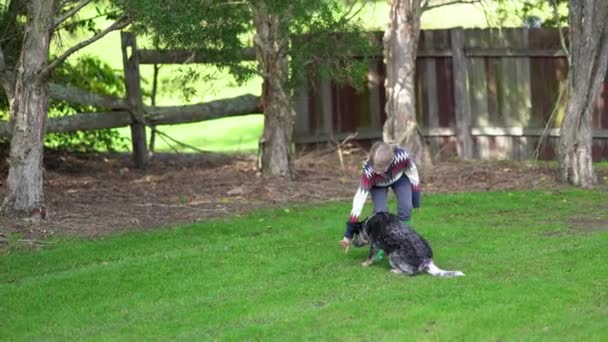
{"x": 407, "y": 251}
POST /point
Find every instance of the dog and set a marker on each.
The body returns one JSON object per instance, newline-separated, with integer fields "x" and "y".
{"x": 408, "y": 252}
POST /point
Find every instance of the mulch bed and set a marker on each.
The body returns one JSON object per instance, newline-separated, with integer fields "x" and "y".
{"x": 97, "y": 194}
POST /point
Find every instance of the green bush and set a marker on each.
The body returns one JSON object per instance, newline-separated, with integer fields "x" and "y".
{"x": 92, "y": 74}
{"x": 88, "y": 73}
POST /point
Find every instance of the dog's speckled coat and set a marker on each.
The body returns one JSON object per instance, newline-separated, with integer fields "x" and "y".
{"x": 407, "y": 251}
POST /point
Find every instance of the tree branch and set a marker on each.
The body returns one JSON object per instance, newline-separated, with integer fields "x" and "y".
{"x": 60, "y": 19}
{"x": 119, "y": 24}
{"x": 427, "y": 6}
{"x": 351, "y": 13}
{"x": 562, "y": 40}
{"x": 104, "y": 14}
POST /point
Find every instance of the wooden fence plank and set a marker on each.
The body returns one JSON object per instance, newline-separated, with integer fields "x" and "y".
{"x": 478, "y": 88}
{"x": 130, "y": 60}
{"x": 429, "y": 88}
{"x": 520, "y": 148}
{"x": 547, "y": 78}
{"x": 427, "y": 114}
{"x": 374, "y": 83}
{"x": 506, "y": 81}
{"x": 327, "y": 114}
{"x": 600, "y": 115}
{"x": 493, "y": 90}
{"x": 445, "y": 92}
{"x": 170, "y": 115}
{"x": 302, "y": 98}
{"x": 445, "y": 82}
{"x": 524, "y": 104}
{"x": 508, "y": 51}
{"x": 240, "y": 105}
{"x": 463, "y": 115}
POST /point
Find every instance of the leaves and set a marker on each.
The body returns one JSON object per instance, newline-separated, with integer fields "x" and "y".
{"x": 530, "y": 13}
{"x": 324, "y": 36}
{"x": 88, "y": 73}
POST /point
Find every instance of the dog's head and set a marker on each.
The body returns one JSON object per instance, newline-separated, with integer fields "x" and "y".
{"x": 361, "y": 237}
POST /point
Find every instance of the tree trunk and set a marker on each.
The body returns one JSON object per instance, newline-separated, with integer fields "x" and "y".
{"x": 400, "y": 49}
{"x": 279, "y": 115}
{"x": 29, "y": 107}
{"x": 588, "y": 63}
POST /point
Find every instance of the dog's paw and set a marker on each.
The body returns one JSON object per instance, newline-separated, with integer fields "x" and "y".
{"x": 396, "y": 271}
{"x": 366, "y": 263}
{"x": 458, "y": 274}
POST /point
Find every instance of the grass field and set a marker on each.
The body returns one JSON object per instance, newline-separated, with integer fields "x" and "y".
{"x": 535, "y": 265}
{"x": 229, "y": 135}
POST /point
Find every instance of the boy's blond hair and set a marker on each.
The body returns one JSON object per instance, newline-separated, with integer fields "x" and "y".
{"x": 381, "y": 156}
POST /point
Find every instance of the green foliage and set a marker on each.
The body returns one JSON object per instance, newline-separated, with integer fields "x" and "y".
{"x": 227, "y": 135}
{"x": 326, "y": 40}
{"x": 88, "y": 73}
{"x": 13, "y": 19}
{"x": 325, "y": 33}
{"x": 12, "y": 26}
{"x": 533, "y": 269}
{"x": 532, "y": 13}
{"x": 215, "y": 28}
{"x": 88, "y": 22}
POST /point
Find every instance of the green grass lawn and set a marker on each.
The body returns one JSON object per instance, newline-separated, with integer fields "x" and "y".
{"x": 535, "y": 265}
{"x": 229, "y": 135}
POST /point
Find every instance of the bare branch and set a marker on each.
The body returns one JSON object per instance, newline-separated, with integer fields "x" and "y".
{"x": 119, "y": 24}
{"x": 164, "y": 135}
{"x": 428, "y": 6}
{"x": 545, "y": 132}
{"x": 66, "y": 15}
{"x": 562, "y": 40}
{"x": 351, "y": 13}
{"x": 104, "y": 14}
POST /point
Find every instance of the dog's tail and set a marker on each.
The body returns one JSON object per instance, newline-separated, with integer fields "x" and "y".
{"x": 433, "y": 270}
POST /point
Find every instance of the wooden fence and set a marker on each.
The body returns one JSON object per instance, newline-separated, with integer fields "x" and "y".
{"x": 480, "y": 93}
{"x": 117, "y": 112}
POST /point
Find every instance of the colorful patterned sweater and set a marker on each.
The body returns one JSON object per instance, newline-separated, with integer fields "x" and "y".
{"x": 401, "y": 164}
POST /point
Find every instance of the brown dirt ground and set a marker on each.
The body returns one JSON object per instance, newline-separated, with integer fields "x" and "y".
{"x": 96, "y": 194}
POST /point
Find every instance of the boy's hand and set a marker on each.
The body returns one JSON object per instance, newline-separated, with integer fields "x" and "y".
{"x": 346, "y": 244}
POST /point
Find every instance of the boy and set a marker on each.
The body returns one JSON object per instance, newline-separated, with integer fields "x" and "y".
{"x": 386, "y": 167}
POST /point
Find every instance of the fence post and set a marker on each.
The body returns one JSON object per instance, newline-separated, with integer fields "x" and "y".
{"x": 461, "y": 99}
{"x": 130, "y": 61}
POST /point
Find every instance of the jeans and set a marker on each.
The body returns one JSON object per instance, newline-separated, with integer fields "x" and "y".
{"x": 402, "y": 189}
